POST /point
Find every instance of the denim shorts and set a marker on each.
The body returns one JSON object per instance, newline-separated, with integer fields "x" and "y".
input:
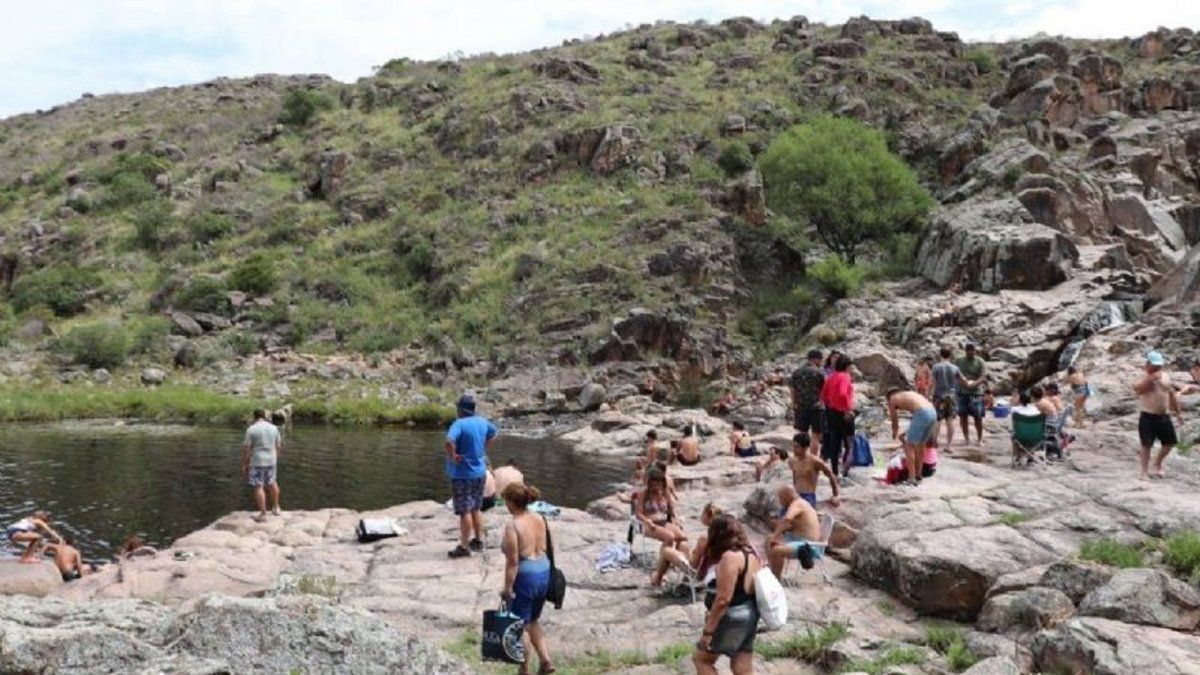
{"x": 922, "y": 427}
{"x": 970, "y": 405}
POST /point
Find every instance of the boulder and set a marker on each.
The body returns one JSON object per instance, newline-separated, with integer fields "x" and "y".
{"x": 573, "y": 70}
{"x": 331, "y": 173}
{"x": 17, "y": 578}
{"x": 183, "y": 324}
{"x": 993, "y": 246}
{"x": 1106, "y": 647}
{"x": 1160, "y": 93}
{"x": 996, "y": 665}
{"x": 932, "y": 572}
{"x": 1028, "y": 72}
{"x": 1099, "y": 78}
{"x": 1031, "y": 608}
{"x": 746, "y": 197}
{"x": 1057, "y": 101}
{"x": 602, "y": 150}
{"x": 591, "y": 397}
{"x": 186, "y": 355}
{"x": 153, "y": 376}
{"x": 1131, "y": 213}
{"x": 1182, "y": 284}
{"x": 1145, "y": 596}
{"x": 840, "y": 49}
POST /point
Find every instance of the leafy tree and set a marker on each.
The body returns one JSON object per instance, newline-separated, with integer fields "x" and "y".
{"x": 255, "y": 275}
{"x": 736, "y": 159}
{"x": 839, "y": 175}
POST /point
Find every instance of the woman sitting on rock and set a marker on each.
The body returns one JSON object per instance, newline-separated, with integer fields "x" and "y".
{"x": 732, "y": 620}
{"x": 526, "y": 569}
{"x": 655, "y": 509}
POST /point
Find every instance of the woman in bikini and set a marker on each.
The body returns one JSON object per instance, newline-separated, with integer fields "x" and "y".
{"x": 1080, "y": 390}
{"x": 655, "y": 509}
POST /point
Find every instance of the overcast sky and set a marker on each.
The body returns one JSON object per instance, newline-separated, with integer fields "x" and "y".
{"x": 51, "y": 51}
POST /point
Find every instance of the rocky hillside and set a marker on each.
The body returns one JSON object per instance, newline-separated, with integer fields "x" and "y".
{"x": 541, "y": 213}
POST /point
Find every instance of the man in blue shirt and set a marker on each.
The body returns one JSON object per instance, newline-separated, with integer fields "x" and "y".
{"x": 466, "y": 465}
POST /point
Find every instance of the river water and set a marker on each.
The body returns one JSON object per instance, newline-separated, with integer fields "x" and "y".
{"x": 104, "y": 481}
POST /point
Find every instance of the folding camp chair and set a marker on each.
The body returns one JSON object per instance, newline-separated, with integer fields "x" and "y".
{"x": 1028, "y": 439}
{"x": 819, "y": 548}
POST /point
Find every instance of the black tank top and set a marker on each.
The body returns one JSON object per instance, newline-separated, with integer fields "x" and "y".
{"x": 740, "y": 596}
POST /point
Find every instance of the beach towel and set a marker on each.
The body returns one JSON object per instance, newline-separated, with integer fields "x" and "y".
{"x": 545, "y": 509}
{"x": 614, "y": 557}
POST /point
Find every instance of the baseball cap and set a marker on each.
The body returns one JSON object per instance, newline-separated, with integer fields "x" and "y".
{"x": 466, "y": 404}
{"x": 1156, "y": 359}
{"x": 969, "y": 345}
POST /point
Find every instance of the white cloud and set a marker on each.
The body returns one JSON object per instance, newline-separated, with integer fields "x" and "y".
{"x": 53, "y": 50}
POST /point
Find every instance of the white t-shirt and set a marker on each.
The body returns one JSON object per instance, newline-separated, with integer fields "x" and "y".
{"x": 263, "y": 439}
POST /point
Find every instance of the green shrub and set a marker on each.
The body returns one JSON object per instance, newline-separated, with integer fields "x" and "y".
{"x": 896, "y": 656}
{"x": 1111, "y": 552}
{"x": 735, "y": 159}
{"x": 241, "y": 344}
{"x": 148, "y": 334}
{"x": 899, "y": 256}
{"x": 62, "y": 290}
{"x": 1013, "y": 518}
{"x": 204, "y": 294}
{"x": 815, "y": 648}
{"x": 984, "y": 60}
{"x": 1012, "y": 175}
{"x": 101, "y": 344}
{"x": 129, "y": 179}
{"x": 208, "y": 227}
{"x": 836, "y": 277}
{"x": 255, "y": 275}
{"x": 8, "y": 324}
{"x": 128, "y": 189}
{"x": 950, "y": 642}
{"x": 1182, "y": 555}
{"x": 301, "y": 106}
{"x": 153, "y": 225}
{"x": 839, "y": 175}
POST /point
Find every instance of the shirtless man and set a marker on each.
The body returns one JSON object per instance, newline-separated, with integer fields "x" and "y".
{"x": 795, "y": 528}
{"x": 1156, "y": 397}
{"x": 688, "y": 452}
{"x": 807, "y": 468}
{"x": 508, "y": 474}
{"x": 67, "y": 560}
{"x": 922, "y": 427}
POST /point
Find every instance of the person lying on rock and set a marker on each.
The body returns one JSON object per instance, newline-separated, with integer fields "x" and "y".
{"x": 922, "y": 427}
{"x": 795, "y": 528}
{"x": 66, "y": 558}
{"x": 655, "y": 510}
{"x": 741, "y": 444}
{"x": 807, "y": 468}
{"x": 31, "y": 533}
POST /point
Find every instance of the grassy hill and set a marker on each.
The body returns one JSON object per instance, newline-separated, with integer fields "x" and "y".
{"x": 505, "y": 208}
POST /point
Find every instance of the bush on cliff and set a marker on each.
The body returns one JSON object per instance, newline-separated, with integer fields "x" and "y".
{"x": 839, "y": 176}
{"x": 301, "y": 106}
{"x": 101, "y": 344}
{"x": 63, "y": 290}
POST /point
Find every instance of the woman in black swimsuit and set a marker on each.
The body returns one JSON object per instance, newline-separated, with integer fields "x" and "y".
{"x": 732, "y": 621}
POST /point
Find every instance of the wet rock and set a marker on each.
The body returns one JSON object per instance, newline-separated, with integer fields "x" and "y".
{"x": 1145, "y": 596}
{"x": 37, "y": 580}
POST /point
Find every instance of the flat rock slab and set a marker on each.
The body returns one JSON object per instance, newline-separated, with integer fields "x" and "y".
{"x": 36, "y": 579}
{"x": 1106, "y": 647}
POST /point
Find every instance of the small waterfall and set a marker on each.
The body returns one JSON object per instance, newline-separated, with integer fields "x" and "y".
{"x": 1105, "y": 315}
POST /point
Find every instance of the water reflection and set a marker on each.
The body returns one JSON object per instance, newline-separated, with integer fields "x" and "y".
{"x": 102, "y": 483}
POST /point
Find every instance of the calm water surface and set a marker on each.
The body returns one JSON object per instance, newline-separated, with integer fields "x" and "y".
{"x": 101, "y": 482}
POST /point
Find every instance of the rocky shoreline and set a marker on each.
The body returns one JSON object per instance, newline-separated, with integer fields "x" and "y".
{"x": 1019, "y": 591}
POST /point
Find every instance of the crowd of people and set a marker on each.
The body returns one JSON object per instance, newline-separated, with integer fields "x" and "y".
{"x": 723, "y": 558}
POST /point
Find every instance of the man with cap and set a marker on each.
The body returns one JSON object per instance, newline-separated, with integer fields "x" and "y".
{"x": 970, "y": 392}
{"x": 467, "y": 441}
{"x": 806, "y": 383}
{"x": 1156, "y": 399}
